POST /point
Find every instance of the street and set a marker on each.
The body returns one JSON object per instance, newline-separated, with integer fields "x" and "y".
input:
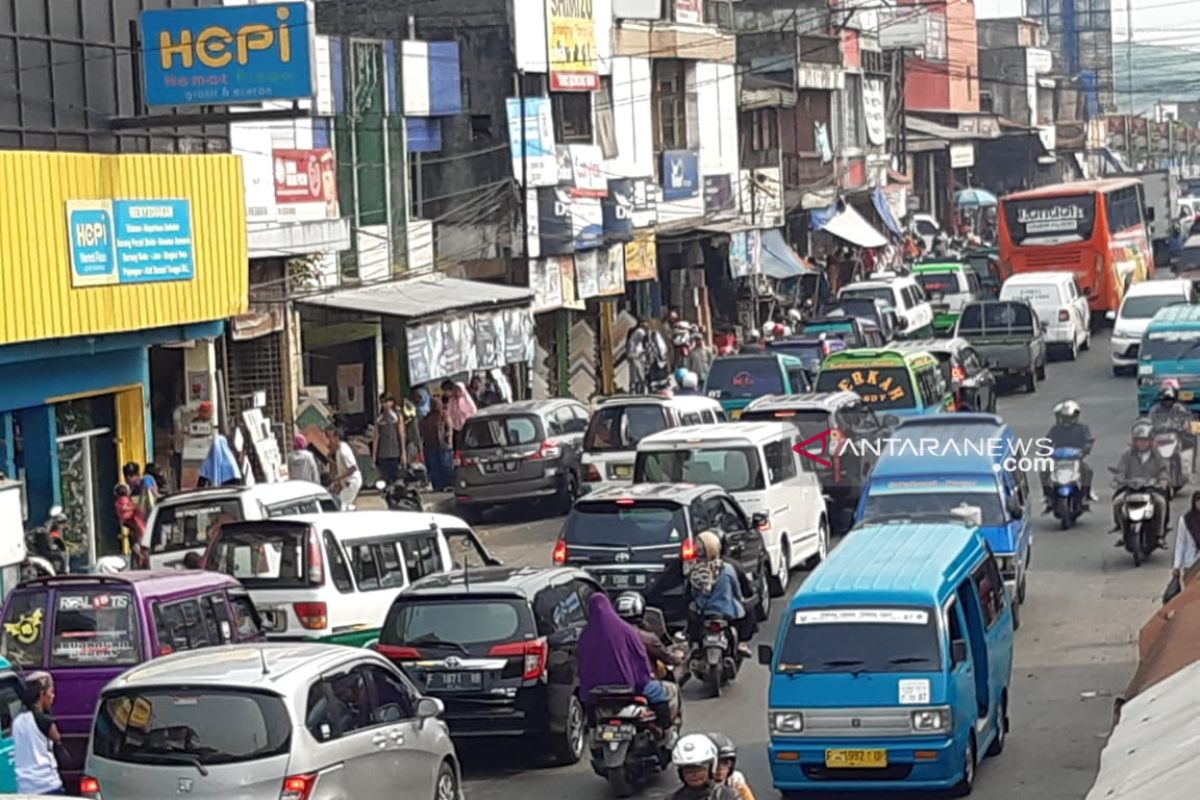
{"x": 1076, "y": 648}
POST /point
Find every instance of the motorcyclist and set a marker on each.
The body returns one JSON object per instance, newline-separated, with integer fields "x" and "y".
{"x": 1169, "y": 415}
{"x": 727, "y": 772}
{"x": 1142, "y": 464}
{"x": 715, "y": 589}
{"x": 631, "y": 607}
{"x": 1068, "y": 431}
{"x": 610, "y": 652}
{"x": 697, "y": 759}
{"x": 753, "y": 343}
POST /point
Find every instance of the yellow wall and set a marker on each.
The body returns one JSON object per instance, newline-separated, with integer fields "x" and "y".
{"x": 37, "y": 300}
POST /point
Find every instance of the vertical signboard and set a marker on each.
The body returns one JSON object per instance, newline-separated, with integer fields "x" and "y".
{"x": 540, "y": 166}
{"x": 571, "y": 45}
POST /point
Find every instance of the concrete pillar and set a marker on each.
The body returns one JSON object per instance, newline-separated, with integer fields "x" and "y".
{"x": 39, "y": 432}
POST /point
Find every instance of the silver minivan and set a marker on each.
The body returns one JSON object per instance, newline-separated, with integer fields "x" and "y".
{"x": 269, "y": 722}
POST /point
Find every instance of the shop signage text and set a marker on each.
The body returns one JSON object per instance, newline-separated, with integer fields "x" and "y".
{"x": 618, "y": 211}
{"x": 680, "y": 174}
{"x": 130, "y": 241}
{"x": 306, "y": 184}
{"x": 689, "y": 11}
{"x": 571, "y": 45}
{"x": 226, "y": 55}
{"x": 540, "y": 166}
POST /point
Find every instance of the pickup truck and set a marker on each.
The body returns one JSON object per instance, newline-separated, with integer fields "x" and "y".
{"x": 1009, "y": 338}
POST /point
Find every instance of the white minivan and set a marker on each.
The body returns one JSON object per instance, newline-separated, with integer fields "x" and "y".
{"x": 901, "y": 294}
{"x": 754, "y": 462}
{"x": 332, "y": 577}
{"x": 1141, "y": 301}
{"x": 1060, "y": 305}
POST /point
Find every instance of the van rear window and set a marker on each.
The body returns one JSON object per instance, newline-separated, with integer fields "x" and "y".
{"x": 742, "y": 378}
{"x": 641, "y": 523}
{"x": 24, "y": 634}
{"x": 273, "y": 556}
{"x": 622, "y": 427}
{"x": 856, "y": 640}
{"x": 93, "y": 628}
{"x": 185, "y": 526}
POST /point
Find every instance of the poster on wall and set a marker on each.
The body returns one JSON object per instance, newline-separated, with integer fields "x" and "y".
{"x": 350, "y": 388}
{"x": 739, "y": 255}
{"x": 458, "y": 346}
{"x": 587, "y": 272}
{"x": 540, "y": 166}
{"x": 611, "y": 277}
{"x": 305, "y": 184}
{"x": 556, "y": 231}
{"x": 571, "y": 45}
{"x": 422, "y": 354}
{"x": 873, "y": 111}
{"x": 641, "y": 258}
{"x": 587, "y": 171}
{"x": 570, "y": 290}
{"x": 618, "y": 211}
{"x": 681, "y": 174}
{"x": 689, "y": 11}
{"x": 545, "y": 279}
{"x": 519, "y": 340}
{"x": 489, "y": 340}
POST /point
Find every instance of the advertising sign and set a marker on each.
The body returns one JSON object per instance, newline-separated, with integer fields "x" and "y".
{"x": 571, "y": 45}
{"x": 545, "y": 279}
{"x": 587, "y": 272}
{"x": 689, "y": 11}
{"x": 645, "y": 203}
{"x": 587, "y": 222}
{"x": 130, "y": 241}
{"x": 718, "y": 195}
{"x": 680, "y": 174}
{"x": 555, "y": 233}
{"x": 611, "y": 280}
{"x": 570, "y": 293}
{"x": 541, "y": 167}
{"x": 306, "y": 184}
{"x": 641, "y": 258}
{"x": 228, "y": 55}
{"x": 873, "y": 111}
{"x": 587, "y": 170}
{"x": 618, "y": 211}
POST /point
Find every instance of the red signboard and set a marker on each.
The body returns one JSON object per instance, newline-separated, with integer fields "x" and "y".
{"x": 306, "y": 184}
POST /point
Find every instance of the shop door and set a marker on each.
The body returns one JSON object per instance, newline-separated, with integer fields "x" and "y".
{"x": 79, "y": 466}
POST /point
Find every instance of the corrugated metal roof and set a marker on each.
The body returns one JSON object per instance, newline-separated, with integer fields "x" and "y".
{"x": 1153, "y": 752}
{"x": 426, "y": 296}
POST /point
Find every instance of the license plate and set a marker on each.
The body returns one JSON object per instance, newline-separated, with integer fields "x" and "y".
{"x": 714, "y": 640}
{"x": 501, "y": 466}
{"x": 624, "y": 581}
{"x": 735, "y": 414}
{"x": 617, "y": 733}
{"x": 454, "y": 681}
{"x": 1187, "y": 395}
{"x": 856, "y": 759}
{"x": 622, "y": 471}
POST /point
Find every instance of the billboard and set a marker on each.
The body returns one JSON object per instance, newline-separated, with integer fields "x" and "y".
{"x": 571, "y": 45}
{"x": 305, "y": 184}
{"x": 540, "y": 165}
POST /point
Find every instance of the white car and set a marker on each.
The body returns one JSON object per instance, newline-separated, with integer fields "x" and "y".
{"x": 1141, "y": 301}
{"x": 927, "y": 227}
{"x": 1059, "y": 304}
{"x": 755, "y": 463}
{"x": 902, "y": 295}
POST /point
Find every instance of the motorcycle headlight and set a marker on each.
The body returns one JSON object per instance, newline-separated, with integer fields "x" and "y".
{"x": 931, "y": 720}
{"x": 787, "y": 722}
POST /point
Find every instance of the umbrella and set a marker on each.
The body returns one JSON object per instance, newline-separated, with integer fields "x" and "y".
{"x": 974, "y": 198}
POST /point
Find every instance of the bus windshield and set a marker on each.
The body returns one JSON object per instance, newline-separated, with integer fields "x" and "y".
{"x": 1051, "y": 220}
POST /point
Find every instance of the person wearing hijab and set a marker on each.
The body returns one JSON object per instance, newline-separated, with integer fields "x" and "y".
{"x": 220, "y": 466}
{"x": 611, "y": 653}
{"x": 1187, "y": 540}
{"x": 436, "y": 439}
{"x": 459, "y": 408}
{"x": 715, "y": 589}
{"x": 302, "y": 464}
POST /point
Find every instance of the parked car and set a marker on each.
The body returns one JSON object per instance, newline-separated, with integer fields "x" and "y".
{"x": 517, "y": 452}
{"x": 903, "y": 295}
{"x": 182, "y": 523}
{"x": 497, "y": 647}
{"x": 736, "y": 380}
{"x": 853, "y": 330}
{"x": 969, "y": 379}
{"x": 1060, "y": 304}
{"x": 1141, "y": 302}
{"x": 870, "y": 310}
{"x": 642, "y": 538}
{"x": 619, "y": 423}
{"x": 271, "y": 722}
{"x": 85, "y": 630}
{"x": 949, "y": 285}
{"x": 1009, "y": 337}
{"x": 332, "y": 578}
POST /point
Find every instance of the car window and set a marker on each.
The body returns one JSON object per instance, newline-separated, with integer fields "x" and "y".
{"x": 690, "y": 418}
{"x": 94, "y": 627}
{"x": 621, "y": 427}
{"x": 395, "y": 699}
{"x": 245, "y": 616}
{"x": 339, "y": 572}
{"x": 190, "y": 624}
{"x": 10, "y": 703}
{"x": 568, "y": 421}
{"x": 991, "y": 590}
{"x": 780, "y": 463}
{"x": 264, "y": 555}
{"x": 422, "y": 555}
{"x": 502, "y": 431}
{"x": 25, "y": 622}
{"x": 303, "y": 505}
{"x": 376, "y": 565}
{"x": 710, "y": 417}
{"x": 732, "y": 520}
{"x": 185, "y": 525}
{"x": 339, "y": 705}
{"x": 734, "y": 469}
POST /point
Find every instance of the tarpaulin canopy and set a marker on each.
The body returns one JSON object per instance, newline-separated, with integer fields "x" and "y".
{"x": 779, "y": 260}
{"x": 885, "y": 212}
{"x": 846, "y": 223}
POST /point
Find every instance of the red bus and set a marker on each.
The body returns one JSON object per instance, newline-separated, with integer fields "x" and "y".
{"x": 1094, "y": 229}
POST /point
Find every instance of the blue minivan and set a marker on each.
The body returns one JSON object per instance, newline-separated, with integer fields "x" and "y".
{"x": 952, "y": 464}
{"x": 891, "y": 668}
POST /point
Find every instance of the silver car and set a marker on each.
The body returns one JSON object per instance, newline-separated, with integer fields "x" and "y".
{"x": 291, "y": 721}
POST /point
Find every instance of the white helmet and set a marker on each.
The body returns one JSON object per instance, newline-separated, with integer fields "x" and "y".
{"x": 691, "y": 381}
{"x": 1067, "y": 410}
{"x": 695, "y": 750}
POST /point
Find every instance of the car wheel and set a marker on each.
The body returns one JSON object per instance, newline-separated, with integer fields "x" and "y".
{"x": 1073, "y": 353}
{"x": 764, "y": 592}
{"x": 967, "y": 784}
{"x": 472, "y": 515}
{"x": 778, "y": 582}
{"x": 997, "y": 745}
{"x": 1117, "y": 372}
{"x": 446, "y": 787}
{"x": 1087, "y": 341}
{"x": 567, "y": 747}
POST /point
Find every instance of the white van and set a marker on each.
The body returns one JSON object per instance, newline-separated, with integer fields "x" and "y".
{"x": 903, "y": 295}
{"x": 755, "y": 463}
{"x": 332, "y": 577}
{"x": 1060, "y": 305}
{"x": 620, "y": 422}
{"x": 181, "y": 523}
{"x": 1141, "y": 301}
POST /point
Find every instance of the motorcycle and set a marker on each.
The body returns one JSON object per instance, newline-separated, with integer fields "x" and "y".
{"x": 715, "y": 659}
{"x": 1140, "y": 531}
{"x": 1066, "y": 485}
{"x": 1169, "y": 444}
{"x": 46, "y": 552}
{"x": 401, "y": 494}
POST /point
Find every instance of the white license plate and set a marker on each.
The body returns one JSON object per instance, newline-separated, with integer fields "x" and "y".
{"x": 714, "y": 639}
{"x": 617, "y": 733}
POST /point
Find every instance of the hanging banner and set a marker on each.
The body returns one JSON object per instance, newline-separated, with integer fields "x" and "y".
{"x": 645, "y": 203}
{"x": 519, "y": 341}
{"x": 739, "y": 255}
{"x": 489, "y": 340}
{"x": 587, "y": 171}
{"x": 611, "y": 280}
{"x": 571, "y": 46}
{"x": 618, "y": 211}
{"x": 641, "y": 258}
{"x": 458, "y": 346}
{"x": 556, "y": 235}
{"x": 873, "y": 111}
{"x": 424, "y": 352}
{"x": 587, "y": 272}
{"x": 587, "y": 223}
{"x": 540, "y": 166}
{"x": 570, "y": 290}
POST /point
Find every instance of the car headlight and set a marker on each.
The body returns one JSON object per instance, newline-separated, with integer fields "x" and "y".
{"x": 787, "y": 722}
{"x": 929, "y": 720}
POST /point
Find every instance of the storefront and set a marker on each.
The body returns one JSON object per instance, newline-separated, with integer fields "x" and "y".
{"x": 111, "y": 256}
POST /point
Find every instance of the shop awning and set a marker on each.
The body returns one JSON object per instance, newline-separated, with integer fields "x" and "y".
{"x": 846, "y": 223}
{"x": 427, "y": 296}
{"x": 885, "y": 212}
{"x": 779, "y": 260}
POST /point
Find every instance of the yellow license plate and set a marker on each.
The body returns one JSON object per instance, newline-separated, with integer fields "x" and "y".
{"x": 738, "y": 413}
{"x": 1187, "y": 395}
{"x": 623, "y": 471}
{"x": 856, "y": 759}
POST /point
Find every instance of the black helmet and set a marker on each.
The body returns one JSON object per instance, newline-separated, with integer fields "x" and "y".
{"x": 631, "y": 607}
{"x": 726, "y": 749}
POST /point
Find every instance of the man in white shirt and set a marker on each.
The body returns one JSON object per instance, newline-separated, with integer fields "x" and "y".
{"x": 346, "y": 479}
{"x": 33, "y": 748}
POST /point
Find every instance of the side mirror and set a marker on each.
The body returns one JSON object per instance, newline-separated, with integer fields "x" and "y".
{"x": 428, "y": 707}
{"x": 1111, "y": 316}
{"x": 958, "y": 651}
{"x": 760, "y": 521}
{"x": 766, "y": 654}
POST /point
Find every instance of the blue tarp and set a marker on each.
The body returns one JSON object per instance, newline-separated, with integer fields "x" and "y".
{"x": 885, "y": 212}
{"x": 780, "y": 261}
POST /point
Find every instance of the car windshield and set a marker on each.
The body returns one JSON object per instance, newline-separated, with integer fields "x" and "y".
{"x": 1145, "y": 307}
{"x": 940, "y": 283}
{"x": 270, "y": 556}
{"x": 191, "y": 726}
{"x": 879, "y": 387}
{"x": 189, "y": 524}
{"x": 94, "y": 628}
{"x": 734, "y": 469}
{"x": 1165, "y": 347}
{"x": 743, "y": 378}
{"x": 845, "y": 639}
{"x": 640, "y": 523}
{"x": 621, "y": 427}
{"x": 429, "y": 621}
{"x": 873, "y": 293}
{"x": 949, "y": 503}
{"x": 510, "y": 431}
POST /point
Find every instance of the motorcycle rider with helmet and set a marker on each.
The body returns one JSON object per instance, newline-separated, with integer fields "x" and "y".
{"x": 753, "y": 342}
{"x": 727, "y": 772}
{"x": 1142, "y": 464}
{"x": 697, "y": 759}
{"x": 717, "y": 588}
{"x": 1167, "y": 414}
{"x": 631, "y": 607}
{"x": 1069, "y": 431}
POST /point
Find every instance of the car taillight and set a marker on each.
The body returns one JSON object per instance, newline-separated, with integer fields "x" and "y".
{"x": 715, "y": 627}
{"x": 298, "y": 787}
{"x": 534, "y": 652}
{"x": 316, "y": 561}
{"x": 561, "y": 552}
{"x": 313, "y": 616}
{"x": 462, "y": 461}
{"x": 591, "y": 473}
{"x": 397, "y": 653}
{"x": 764, "y": 523}
{"x": 89, "y": 787}
{"x": 687, "y": 550}
{"x": 549, "y": 449}
{"x": 1063, "y": 316}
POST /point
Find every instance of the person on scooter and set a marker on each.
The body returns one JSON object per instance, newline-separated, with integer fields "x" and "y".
{"x": 610, "y": 652}
{"x": 1068, "y": 431}
{"x": 1167, "y": 414}
{"x": 714, "y": 589}
{"x": 727, "y": 772}
{"x": 753, "y": 342}
{"x": 697, "y": 759}
{"x": 1142, "y": 464}
{"x": 631, "y": 607}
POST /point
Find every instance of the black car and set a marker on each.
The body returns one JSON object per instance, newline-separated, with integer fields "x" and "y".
{"x": 640, "y": 537}
{"x": 497, "y": 646}
{"x": 973, "y": 384}
{"x": 871, "y": 310}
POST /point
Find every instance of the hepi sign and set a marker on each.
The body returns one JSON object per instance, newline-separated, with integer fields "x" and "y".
{"x": 227, "y": 55}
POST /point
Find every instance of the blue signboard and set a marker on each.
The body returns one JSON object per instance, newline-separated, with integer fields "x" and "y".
{"x": 130, "y": 241}
{"x": 226, "y": 55}
{"x": 90, "y": 232}
{"x": 680, "y": 174}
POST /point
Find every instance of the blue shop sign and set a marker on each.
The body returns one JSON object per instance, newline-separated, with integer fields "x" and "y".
{"x": 130, "y": 241}
{"x": 226, "y": 55}
{"x": 90, "y": 232}
{"x": 680, "y": 174}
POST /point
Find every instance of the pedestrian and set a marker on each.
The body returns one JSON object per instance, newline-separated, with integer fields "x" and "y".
{"x": 411, "y": 418}
{"x": 491, "y": 393}
{"x": 1187, "y": 540}
{"x": 154, "y": 480}
{"x": 133, "y": 524}
{"x": 301, "y": 463}
{"x": 700, "y": 357}
{"x": 345, "y": 479}
{"x": 436, "y": 436}
{"x": 35, "y": 735}
{"x": 388, "y": 444}
{"x": 459, "y": 408}
{"x": 475, "y": 388}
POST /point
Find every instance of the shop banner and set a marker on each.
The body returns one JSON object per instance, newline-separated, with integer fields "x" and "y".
{"x": 618, "y": 211}
{"x": 555, "y": 232}
{"x": 571, "y": 45}
{"x": 424, "y": 353}
{"x": 305, "y": 184}
{"x": 873, "y": 111}
{"x": 641, "y": 258}
{"x": 689, "y": 11}
{"x": 611, "y": 278}
{"x": 540, "y": 163}
{"x": 458, "y": 345}
{"x": 719, "y": 200}
{"x": 587, "y": 223}
{"x": 519, "y": 339}
{"x": 130, "y": 241}
{"x": 681, "y": 174}
{"x": 587, "y": 171}
{"x": 645, "y": 203}
{"x": 570, "y": 290}
{"x": 545, "y": 279}
{"x": 587, "y": 272}
{"x": 489, "y": 340}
